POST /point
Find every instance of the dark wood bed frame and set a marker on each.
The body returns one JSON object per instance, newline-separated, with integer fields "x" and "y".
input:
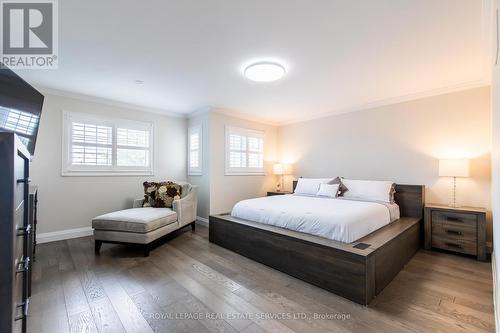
{"x": 358, "y": 271}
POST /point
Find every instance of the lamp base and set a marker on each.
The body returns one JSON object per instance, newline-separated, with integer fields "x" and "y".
{"x": 454, "y": 203}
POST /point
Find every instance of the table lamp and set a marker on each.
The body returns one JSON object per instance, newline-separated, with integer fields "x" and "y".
{"x": 279, "y": 170}
{"x": 454, "y": 168}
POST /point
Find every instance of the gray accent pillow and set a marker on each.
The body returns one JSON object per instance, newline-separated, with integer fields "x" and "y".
{"x": 342, "y": 187}
{"x": 392, "y": 192}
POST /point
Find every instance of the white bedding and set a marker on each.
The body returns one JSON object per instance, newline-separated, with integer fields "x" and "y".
{"x": 343, "y": 220}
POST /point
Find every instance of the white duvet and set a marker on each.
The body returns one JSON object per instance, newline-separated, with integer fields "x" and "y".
{"x": 342, "y": 220}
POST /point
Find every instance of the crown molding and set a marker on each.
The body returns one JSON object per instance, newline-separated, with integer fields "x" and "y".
{"x": 361, "y": 107}
{"x": 231, "y": 113}
{"x": 201, "y": 111}
{"x": 108, "y": 102}
{"x": 393, "y": 100}
{"x": 245, "y": 116}
{"x": 253, "y": 118}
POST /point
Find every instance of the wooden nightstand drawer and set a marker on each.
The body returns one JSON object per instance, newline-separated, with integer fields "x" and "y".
{"x": 454, "y": 231}
{"x": 456, "y": 245}
{"x": 454, "y": 218}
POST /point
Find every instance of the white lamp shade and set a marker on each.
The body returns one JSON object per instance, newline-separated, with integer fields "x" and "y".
{"x": 454, "y": 167}
{"x": 278, "y": 169}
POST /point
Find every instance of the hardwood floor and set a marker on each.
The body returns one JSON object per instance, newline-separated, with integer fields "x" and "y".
{"x": 191, "y": 285}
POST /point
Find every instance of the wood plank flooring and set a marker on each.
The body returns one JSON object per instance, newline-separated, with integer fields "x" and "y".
{"x": 191, "y": 285}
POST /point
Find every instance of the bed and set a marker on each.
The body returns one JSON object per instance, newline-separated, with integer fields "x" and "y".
{"x": 357, "y": 270}
{"x": 341, "y": 219}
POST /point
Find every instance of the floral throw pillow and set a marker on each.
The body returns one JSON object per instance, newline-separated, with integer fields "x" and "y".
{"x": 161, "y": 194}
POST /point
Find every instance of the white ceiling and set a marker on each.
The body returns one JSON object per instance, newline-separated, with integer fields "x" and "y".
{"x": 340, "y": 54}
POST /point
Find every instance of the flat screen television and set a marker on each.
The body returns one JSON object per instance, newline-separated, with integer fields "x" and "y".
{"x": 20, "y": 107}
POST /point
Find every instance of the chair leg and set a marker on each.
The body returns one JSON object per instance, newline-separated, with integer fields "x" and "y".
{"x": 146, "y": 250}
{"x": 193, "y": 226}
{"x": 97, "y": 246}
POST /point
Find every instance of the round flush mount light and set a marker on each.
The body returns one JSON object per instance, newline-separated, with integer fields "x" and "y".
{"x": 139, "y": 82}
{"x": 264, "y": 71}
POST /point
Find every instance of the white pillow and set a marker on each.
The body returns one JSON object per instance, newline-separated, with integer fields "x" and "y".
{"x": 368, "y": 189}
{"x": 310, "y": 186}
{"x": 328, "y": 190}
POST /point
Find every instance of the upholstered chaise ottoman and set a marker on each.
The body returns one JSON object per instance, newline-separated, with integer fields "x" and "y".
{"x": 144, "y": 225}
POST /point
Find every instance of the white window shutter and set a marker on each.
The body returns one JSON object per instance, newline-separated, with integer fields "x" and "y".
{"x": 195, "y": 153}
{"x": 95, "y": 145}
{"x": 244, "y": 151}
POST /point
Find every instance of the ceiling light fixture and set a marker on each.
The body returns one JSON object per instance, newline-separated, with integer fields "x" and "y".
{"x": 139, "y": 82}
{"x": 264, "y": 71}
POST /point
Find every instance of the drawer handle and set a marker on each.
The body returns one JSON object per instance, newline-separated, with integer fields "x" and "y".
{"x": 454, "y": 232}
{"x": 458, "y": 246}
{"x": 24, "y": 231}
{"x": 24, "y": 306}
{"x": 23, "y": 265}
{"x": 454, "y": 219}
{"x": 24, "y": 180}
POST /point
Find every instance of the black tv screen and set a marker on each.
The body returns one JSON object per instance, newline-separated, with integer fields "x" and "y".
{"x": 20, "y": 107}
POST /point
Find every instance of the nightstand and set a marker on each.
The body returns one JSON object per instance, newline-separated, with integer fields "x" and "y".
{"x": 460, "y": 229}
{"x": 270, "y": 193}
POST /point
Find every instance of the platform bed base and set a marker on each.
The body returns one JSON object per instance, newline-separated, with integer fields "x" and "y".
{"x": 146, "y": 248}
{"x": 358, "y": 271}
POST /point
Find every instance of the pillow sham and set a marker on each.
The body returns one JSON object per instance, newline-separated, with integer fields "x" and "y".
{"x": 369, "y": 190}
{"x": 328, "y": 190}
{"x": 310, "y": 186}
{"x": 161, "y": 194}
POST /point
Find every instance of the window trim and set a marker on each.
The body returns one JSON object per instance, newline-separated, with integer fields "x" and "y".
{"x": 67, "y": 169}
{"x": 228, "y": 171}
{"x": 199, "y": 170}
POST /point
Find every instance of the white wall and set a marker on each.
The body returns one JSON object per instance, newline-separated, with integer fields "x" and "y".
{"x": 400, "y": 142}
{"x": 71, "y": 202}
{"x": 203, "y": 180}
{"x": 225, "y": 191}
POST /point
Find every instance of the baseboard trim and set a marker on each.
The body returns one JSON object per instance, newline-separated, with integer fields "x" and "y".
{"x": 202, "y": 221}
{"x": 496, "y": 301}
{"x": 54, "y": 236}
{"x": 48, "y": 237}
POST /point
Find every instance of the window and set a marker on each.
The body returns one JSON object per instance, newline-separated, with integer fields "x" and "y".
{"x": 244, "y": 151}
{"x": 195, "y": 157}
{"x": 24, "y": 124}
{"x": 95, "y": 145}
